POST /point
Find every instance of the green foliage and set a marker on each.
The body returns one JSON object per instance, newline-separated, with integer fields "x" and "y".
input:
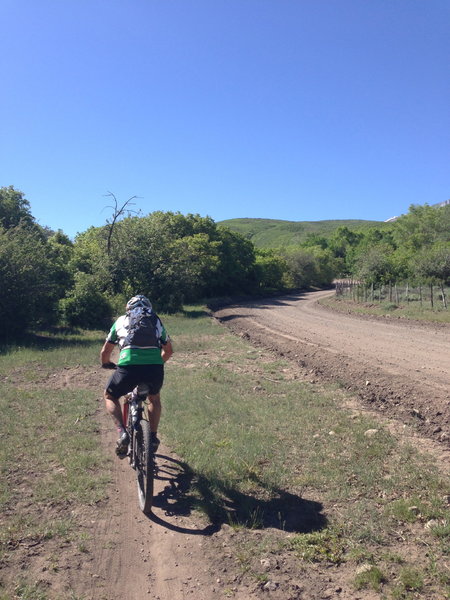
{"x": 270, "y": 270}
{"x": 34, "y": 270}
{"x": 374, "y": 265}
{"x": 169, "y": 257}
{"x": 85, "y": 306}
{"x": 309, "y": 267}
{"x": 28, "y": 281}
{"x": 14, "y": 208}
{"x": 273, "y": 233}
{"x": 433, "y": 263}
{"x": 422, "y": 226}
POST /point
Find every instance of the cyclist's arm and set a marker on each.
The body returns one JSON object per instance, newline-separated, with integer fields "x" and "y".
{"x": 166, "y": 351}
{"x": 105, "y": 353}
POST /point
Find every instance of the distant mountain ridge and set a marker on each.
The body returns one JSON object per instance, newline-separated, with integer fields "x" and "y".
{"x": 273, "y": 233}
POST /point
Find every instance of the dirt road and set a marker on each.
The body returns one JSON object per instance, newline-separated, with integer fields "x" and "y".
{"x": 401, "y": 368}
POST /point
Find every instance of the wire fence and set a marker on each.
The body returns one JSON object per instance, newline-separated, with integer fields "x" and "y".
{"x": 425, "y": 296}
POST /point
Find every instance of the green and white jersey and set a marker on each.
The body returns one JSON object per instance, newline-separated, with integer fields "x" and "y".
{"x": 133, "y": 355}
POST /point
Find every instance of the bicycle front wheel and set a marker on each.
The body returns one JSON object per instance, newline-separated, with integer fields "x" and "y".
{"x": 144, "y": 466}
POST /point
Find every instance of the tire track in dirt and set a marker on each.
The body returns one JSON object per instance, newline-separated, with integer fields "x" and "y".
{"x": 401, "y": 368}
{"x": 139, "y": 556}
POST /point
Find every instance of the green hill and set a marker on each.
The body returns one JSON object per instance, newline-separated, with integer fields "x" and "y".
{"x": 272, "y": 233}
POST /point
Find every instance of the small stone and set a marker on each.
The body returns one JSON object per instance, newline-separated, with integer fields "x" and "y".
{"x": 364, "y": 568}
{"x": 265, "y": 563}
{"x": 270, "y": 586}
{"x": 432, "y": 523}
{"x": 371, "y": 433}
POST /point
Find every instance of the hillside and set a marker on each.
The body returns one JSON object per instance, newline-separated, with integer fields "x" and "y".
{"x": 272, "y": 233}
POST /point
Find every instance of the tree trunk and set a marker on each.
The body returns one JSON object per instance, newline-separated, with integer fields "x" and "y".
{"x": 444, "y": 297}
{"x": 431, "y": 296}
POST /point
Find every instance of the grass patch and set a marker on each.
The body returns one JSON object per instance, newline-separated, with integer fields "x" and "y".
{"x": 370, "y": 577}
{"x": 320, "y": 546}
{"x": 50, "y": 456}
{"x": 268, "y": 451}
{"x": 411, "y": 311}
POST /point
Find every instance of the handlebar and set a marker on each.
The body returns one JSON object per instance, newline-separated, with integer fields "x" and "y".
{"x": 109, "y": 365}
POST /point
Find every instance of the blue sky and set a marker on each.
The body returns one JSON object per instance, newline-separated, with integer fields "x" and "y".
{"x": 282, "y": 109}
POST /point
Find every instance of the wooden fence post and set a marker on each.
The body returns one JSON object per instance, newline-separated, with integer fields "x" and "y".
{"x": 444, "y": 298}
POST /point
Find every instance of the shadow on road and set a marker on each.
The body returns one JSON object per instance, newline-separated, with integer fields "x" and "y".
{"x": 186, "y": 491}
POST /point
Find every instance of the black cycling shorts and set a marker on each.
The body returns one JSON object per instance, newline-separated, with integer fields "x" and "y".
{"x": 125, "y": 379}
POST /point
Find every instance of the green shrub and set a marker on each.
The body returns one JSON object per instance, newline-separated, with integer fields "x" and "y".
{"x": 85, "y": 306}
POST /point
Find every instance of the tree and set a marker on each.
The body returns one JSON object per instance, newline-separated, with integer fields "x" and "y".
{"x": 433, "y": 265}
{"x": 14, "y": 208}
{"x": 118, "y": 212}
{"x": 301, "y": 268}
{"x": 236, "y": 272}
{"x": 29, "y": 290}
{"x": 343, "y": 244}
{"x": 270, "y": 270}
{"x": 375, "y": 266}
{"x": 422, "y": 226}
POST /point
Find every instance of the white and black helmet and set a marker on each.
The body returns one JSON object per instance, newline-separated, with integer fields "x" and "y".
{"x": 139, "y": 301}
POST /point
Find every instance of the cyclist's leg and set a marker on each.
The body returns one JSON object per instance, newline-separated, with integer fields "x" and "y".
{"x": 154, "y": 411}
{"x": 120, "y": 383}
{"x": 113, "y": 408}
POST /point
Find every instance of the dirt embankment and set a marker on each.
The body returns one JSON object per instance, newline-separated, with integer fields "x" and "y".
{"x": 400, "y": 368}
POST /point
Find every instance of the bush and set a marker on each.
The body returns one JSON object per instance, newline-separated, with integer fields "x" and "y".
{"x": 85, "y": 306}
{"x": 28, "y": 282}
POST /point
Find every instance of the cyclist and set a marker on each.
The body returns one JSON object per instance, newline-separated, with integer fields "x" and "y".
{"x": 144, "y": 348}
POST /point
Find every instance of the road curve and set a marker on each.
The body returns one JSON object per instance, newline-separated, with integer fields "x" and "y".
{"x": 402, "y": 366}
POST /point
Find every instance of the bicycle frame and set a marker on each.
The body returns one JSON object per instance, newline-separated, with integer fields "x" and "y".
{"x": 140, "y": 453}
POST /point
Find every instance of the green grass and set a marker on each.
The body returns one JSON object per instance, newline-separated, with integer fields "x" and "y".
{"x": 410, "y": 311}
{"x": 50, "y": 457}
{"x": 273, "y": 233}
{"x": 267, "y": 451}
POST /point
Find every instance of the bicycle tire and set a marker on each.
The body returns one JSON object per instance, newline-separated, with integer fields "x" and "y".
{"x": 129, "y": 425}
{"x": 144, "y": 466}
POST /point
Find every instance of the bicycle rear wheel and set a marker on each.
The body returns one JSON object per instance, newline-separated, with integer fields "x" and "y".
{"x": 144, "y": 466}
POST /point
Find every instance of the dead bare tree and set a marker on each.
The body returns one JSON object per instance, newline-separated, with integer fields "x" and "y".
{"x": 118, "y": 211}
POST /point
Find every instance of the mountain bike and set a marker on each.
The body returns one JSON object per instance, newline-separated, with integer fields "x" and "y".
{"x": 140, "y": 453}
